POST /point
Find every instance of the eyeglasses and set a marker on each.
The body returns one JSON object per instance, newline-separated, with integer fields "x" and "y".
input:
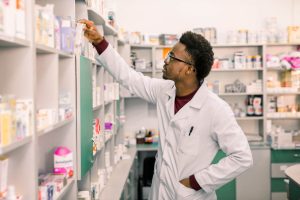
{"x": 170, "y": 57}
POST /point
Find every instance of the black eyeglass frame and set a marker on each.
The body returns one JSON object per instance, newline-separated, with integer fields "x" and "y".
{"x": 177, "y": 59}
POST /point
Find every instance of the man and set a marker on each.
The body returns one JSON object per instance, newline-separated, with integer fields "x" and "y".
{"x": 193, "y": 122}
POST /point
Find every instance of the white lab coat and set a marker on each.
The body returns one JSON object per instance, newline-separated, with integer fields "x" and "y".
{"x": 180, "y": 154}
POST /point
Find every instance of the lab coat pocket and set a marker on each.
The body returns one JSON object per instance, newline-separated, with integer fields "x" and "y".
{"x": 189, "y": 144}
{"x": 184, "y": 191}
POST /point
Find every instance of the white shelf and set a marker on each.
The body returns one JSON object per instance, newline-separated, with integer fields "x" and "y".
{"x": 236, "y": 70}
{"x": 65, "y": 189}
{"x": 97, "y": 107}
{"x": 106, "y": 103}
{"x": 54, "y": 126}
{"x": 100, "y": 20}
{"x": 236, "y": 45}
{"x": 132, "y": 96}
{"x": 14, "y": 145}
{"x": 121, "y": 42}
{"x": 283, "y": 93}
{"x": 275, "y": 69}
{"x": 95, "y": 17}
{"x": 164, "y": 46}
{"x": 108, "y": 138}
{"x": 282, "y": 44}
{"x": 116, "y": 183}
{"x": 6, "y": 41}
{"x": 141, "y": 46}
{"x": 248, "y": 118}
{"x": 238, "y": 94}
{"x": 291, "y": 117}
{"x": 98, "y": 151}
{"x": 43, "y": 49}
{"x": 109, "y": 30}
{"x": 144, "y": 70}
{"x": 63, "y": 54}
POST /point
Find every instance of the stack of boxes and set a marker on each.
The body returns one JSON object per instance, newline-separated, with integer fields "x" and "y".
{"x": 12, "y": 18}
{"x": 56, "y": 32}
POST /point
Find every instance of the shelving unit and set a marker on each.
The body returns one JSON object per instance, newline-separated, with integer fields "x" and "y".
{"x": 54, "y": 127}
{"x": 17, "y": 74}
{"x": 94, "y": 101}
{"x": 55, "y": 77}
{"x": 239, "y": 94}
{"x": 14, "y": 145}
{"x": 6, "y": 41}
{"x": 236, "y": 70}
{"x": 38, "y": 73}
{"x": 155, "y": 54}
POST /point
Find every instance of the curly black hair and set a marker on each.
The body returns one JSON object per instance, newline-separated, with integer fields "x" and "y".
{"x": 201, "y": 52}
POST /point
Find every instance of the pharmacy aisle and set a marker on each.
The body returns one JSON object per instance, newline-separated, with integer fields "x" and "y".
{"x": 69, "y": 131}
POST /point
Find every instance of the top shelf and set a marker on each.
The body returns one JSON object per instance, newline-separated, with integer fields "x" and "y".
{"x": 283, "y": 44}
{"x": 43, "y": 49}
{"x": 236, "y": 45}
{"x": 237, "y": 70}
{"x": 6, "y": 41}
{"x": 142, "y": 46}
{"x": 216, "y": 45}
{"x": 99, "y": 20}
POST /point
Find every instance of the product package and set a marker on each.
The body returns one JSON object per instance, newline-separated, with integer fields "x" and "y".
{"x": 168, "y": 39}
{"x": 63, "y": 161}
{"x": 9, "y": 8}
{"x": 67, "y": 35}
{"x": 294, "y": 34}
{"x": 20, "y": 19}
{"x": 45, "y": 25}
{"x": 24, "y": 118}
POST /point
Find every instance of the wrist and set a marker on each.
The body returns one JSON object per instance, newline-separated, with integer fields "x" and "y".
{"x": 97, "y": 41}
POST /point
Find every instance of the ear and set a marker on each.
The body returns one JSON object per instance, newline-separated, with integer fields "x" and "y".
{"x": 189, "y": 71}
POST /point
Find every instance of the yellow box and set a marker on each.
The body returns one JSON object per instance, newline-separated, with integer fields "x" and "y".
{"x": 294, "y": 34}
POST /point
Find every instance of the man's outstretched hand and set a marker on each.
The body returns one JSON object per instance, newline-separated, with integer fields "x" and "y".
{"x": 91, "y": 32}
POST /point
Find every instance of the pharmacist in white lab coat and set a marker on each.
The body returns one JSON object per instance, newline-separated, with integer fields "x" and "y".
{"x": 194, "y": 123}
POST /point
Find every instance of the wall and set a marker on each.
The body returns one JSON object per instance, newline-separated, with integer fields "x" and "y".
{"x": 177, "y": 16}
{"x": 139, "y": 114}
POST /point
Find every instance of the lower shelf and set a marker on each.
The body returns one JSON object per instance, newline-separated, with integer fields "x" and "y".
{"x": 14, "y": 145}
{"x": 65, "y": 189}
{"x": 114, "y": 188}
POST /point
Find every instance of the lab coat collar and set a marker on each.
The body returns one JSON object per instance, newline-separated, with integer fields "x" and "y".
{"x": 196, "y": 102}
{"x": 170, "y": 102}
{"x": 171, "y": 92}
{"x": 199, "y": 98}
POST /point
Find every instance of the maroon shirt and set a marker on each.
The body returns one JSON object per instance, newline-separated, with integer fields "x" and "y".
{"x": 179, "y": 103}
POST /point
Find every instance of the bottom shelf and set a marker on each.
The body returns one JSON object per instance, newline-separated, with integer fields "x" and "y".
{"x": 65, "y": 189}
{"x": 114, "y": 188}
